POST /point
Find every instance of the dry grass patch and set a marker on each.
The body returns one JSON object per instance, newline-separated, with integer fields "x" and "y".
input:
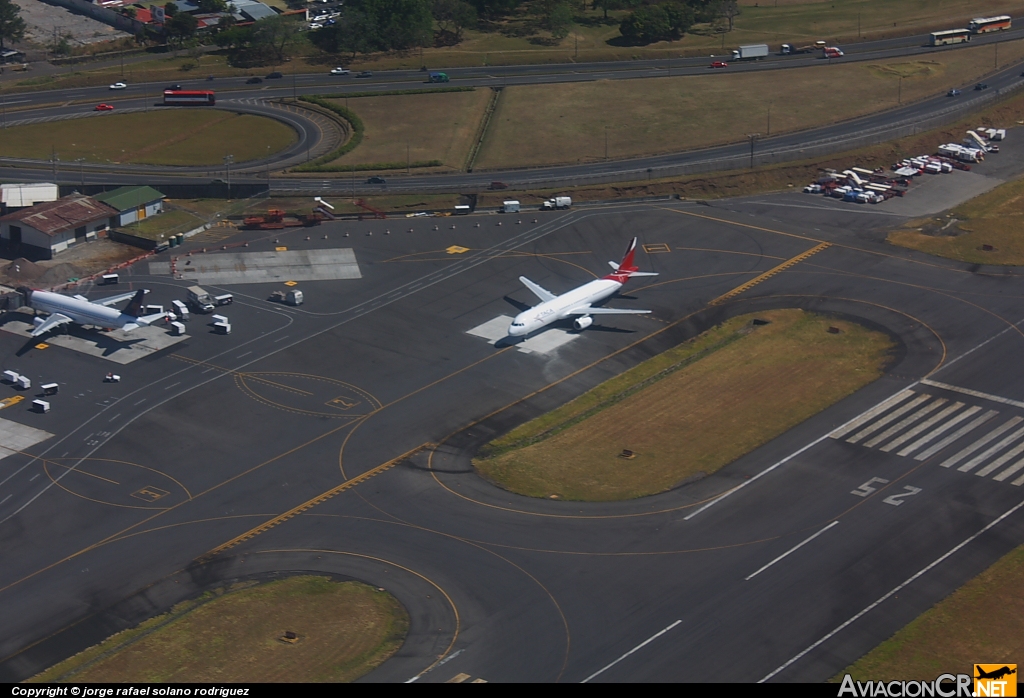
{"x": 566, "y": 123}
{"x": 417, "y": 127}
{"x": 713, "y": 399}
{"x": 993, "y": 219}
{"x": 980, "y": 622}
{"x": 345, "y": 629}
{"x": 186, "y": 137}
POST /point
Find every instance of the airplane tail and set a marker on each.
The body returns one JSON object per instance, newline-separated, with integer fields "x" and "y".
{"x": 134, "y": 308}
{"x": 627, "y": 268}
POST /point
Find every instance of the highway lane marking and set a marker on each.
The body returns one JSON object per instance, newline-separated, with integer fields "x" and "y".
{"x": 892, "y": 592}
{"x": 770, "y": 273}
{"x": 241, "y": 355}
{"x": 34, "y": 477}
{"x": 114, "y": 417}
{"x": 791, "y": 550}
{"x": 643, "y": 644}
{"x": 6, "y": 498}
{"x": 172, "y": 385}
{"x": 972, "y": 393}
{"x": 281, "y": 339}
{"x": 139, "y": 402}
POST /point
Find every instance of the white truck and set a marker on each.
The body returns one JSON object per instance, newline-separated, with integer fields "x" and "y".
{"x": 750, "y": 52}
{"x": 557, "y": 202}
{"x": 199, "y": 299}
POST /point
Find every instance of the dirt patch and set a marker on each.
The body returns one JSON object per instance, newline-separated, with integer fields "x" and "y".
{"x": 76, "y": 263}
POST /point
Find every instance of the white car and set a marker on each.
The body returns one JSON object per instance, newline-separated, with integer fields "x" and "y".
{"x": 316, "y": 25}
{"x": 340, "y": 71}
{"x": 118, "y": 86}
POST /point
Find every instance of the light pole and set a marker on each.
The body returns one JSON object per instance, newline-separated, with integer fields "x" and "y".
{"x": 3, "y": 108}
{"x": 408, "y": 159}
{"x": 899, "y": 92}
{"x": 753, "y": 139}
{"x": 81, "y": 171}
{"x": 768, "y": 131}
{"x": 268, "y": 170}
{"x": 53, "y": 161}
{"x": 228, "y": 159}
{"x": 605, "y": 142}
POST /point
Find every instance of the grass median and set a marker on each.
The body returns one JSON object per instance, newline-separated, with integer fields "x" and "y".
{"x": 344, "y": 630}
{"x": 164, "y": 137}
{"x": 985, "y": 230}
{"x": 689, "y": 411}
{"x": 980, "y": 622}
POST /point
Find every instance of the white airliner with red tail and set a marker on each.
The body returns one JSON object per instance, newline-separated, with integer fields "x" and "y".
{"x": 80, "y": 310}
{"x": 578, "y": 302}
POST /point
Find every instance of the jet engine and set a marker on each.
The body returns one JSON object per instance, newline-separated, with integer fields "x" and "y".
{"x": 582, "y": 322}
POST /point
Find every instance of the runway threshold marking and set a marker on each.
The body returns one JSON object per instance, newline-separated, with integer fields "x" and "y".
{"x": 305, "y": 506}
{"x": 770, "y": 273}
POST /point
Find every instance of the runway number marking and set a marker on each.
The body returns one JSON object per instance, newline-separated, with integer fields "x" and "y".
{"x": 866, "y": 489}
{"x": 897, "y": 499}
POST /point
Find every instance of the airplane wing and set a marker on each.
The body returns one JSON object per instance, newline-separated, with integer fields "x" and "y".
{"x": 587, "y": 310}
{"x": 55, "y": 320}
{"x": 538, "y": 291}
{"x": 114, "y": 300}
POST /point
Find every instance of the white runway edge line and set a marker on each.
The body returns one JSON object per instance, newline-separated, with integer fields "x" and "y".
{"x": 791, "y": 550}
{"x": 643, "y": 644}
{"x": 892, "y": 592}
{"x": 846, "y": 425}
{"x": 841, "y": 428}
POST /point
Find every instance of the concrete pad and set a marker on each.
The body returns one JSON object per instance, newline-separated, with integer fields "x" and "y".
{"x": 226, "y": 268}
{"x": 931, "y": 194}
{"x": 544, "y": 342}
{"x": 15, "y": 437}
{"x": 117, "y": 346}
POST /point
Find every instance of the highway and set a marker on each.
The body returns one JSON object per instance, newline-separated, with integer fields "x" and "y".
{"x": 235, "y": 94}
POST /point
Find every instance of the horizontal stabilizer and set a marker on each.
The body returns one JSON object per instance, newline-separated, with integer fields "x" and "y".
{"x": 615, "y": 266}
{"x": 149, "y": 319}
{"x": 113, "y": 300}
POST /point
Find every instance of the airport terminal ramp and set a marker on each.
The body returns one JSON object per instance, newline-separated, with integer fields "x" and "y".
{"x": 225, "y": 268}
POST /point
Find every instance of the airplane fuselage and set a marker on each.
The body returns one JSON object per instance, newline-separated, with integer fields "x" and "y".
{"x": 558, "y": 308}
{"x": 81, "y": 312}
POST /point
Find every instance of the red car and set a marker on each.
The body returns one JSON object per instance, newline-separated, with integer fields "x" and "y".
{"x": 719, "y": 64}
{"x": 104, "y": 107}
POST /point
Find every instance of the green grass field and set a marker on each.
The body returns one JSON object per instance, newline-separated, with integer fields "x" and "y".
{"x": 417, "y": 127}
{"x": 712, "y": 399}
{"x": 162, "y": 226}
{"x": 992, "y": 219}
{"x": 345, "y": 629}
{"x": 163, "y": 137}
{"x": 567, "y": 123}
{"x": 980, "y": 622}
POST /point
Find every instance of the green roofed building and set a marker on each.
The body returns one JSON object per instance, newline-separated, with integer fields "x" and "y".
{"x": 133, "y": 203}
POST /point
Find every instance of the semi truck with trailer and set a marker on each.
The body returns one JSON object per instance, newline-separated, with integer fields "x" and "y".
{"x": 750, "y": 52}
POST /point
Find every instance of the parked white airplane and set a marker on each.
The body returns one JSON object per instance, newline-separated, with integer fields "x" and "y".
{"x": 79, "y": 309}
{"x": 578, "y": 301}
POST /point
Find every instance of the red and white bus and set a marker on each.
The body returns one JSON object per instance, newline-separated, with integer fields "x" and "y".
{"x": 950, "y": 36}
{"x": 981, "y": 25}
{"x": 189, "y": 97}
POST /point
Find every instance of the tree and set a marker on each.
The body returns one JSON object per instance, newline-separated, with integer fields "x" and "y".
{"x": 453, "y": 16}
{"x": 212, "y": 6}
{"x": 233, "y": 38}
{"x": 170, "y": 9}
{"x": 729, "y": 9}
{"x": 181, "y": 26}
{"x": 559, "y": 20}
{"x": 680, "y": 18}
{"x": 12, "y": 26}
{"x": 275, "y": 35}
{"x": 494, "y": 8}
{"x": 607, "y": 5}
{"x": 354, "y": 33}
{"x": 128, "y": 12}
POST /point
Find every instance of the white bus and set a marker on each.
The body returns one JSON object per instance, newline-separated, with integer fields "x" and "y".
{"x": 950, "y": 36}
{"x": 981, "y": 25}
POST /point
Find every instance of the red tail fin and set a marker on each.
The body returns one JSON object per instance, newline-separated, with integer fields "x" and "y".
{"x": 627, "y": 261}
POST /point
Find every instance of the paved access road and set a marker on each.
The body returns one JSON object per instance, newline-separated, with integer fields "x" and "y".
{"x": 336, "y": 438}
{"x": 234, "y": 93}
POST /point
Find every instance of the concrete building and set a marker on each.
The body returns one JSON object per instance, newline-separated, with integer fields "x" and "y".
{"x": 132, "y": 203}
{"x": 50, "y": 228}
{"x": 14, "y": 196}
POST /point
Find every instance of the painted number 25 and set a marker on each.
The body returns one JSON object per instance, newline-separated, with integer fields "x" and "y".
{"x": 895, "y": 499}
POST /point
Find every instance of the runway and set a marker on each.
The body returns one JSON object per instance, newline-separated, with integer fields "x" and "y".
{"x": 336, "y": 437}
